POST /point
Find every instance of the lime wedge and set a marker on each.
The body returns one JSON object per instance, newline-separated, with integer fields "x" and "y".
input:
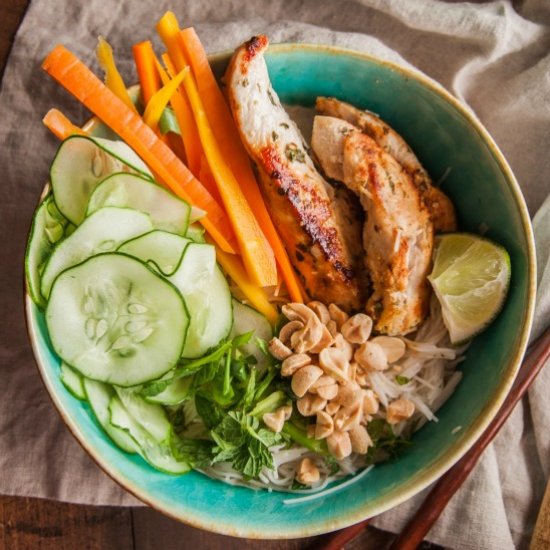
{"x": 470, "y": 277}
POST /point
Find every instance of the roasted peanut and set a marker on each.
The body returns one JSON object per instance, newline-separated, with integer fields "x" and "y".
{"x": 307, "y": 472}
{"x": 371, "y": 356}
{"x": 304, "y": 378}
{"x": 278, "y": 349}
{"x": 310, "y": 404}
{"x": 293, "y": 363}
{"x": 399, "y": 410}
{"x": 324, "y": 426}
{"x": 357, "y": 328}
{"x": 339, "y": 444}
{"x": 394, "y": 348}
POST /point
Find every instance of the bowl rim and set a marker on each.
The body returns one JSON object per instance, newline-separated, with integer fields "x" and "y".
{"x": 470, "y": 435}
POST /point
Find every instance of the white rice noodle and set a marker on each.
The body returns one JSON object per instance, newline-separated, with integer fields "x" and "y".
{"x": 321, "y": 494}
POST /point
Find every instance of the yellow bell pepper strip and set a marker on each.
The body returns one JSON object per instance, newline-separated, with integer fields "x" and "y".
{"x": 157, "y": 103}
{"x": 149, "y": 83}
{"x": 232, "y": 149}
{"x": 81, "y": 82}
{"x": 168, "y": 29}
{"x": 60, "y": 126}
{"x": 256, "y": 295}
{"x": 257, "y": 255}
{"x": 113, "y": 80}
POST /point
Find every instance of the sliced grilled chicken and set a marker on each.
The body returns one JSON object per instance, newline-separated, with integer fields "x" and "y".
{"x": 327, "y": 141}
{"x": 323, "y": 240}
{"x": 398, "y": 234}
{"x": 439, "y": 205}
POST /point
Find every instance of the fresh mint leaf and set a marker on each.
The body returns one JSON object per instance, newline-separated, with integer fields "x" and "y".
{"x": 239, "y": 439}
{"x": 196, "y": 452}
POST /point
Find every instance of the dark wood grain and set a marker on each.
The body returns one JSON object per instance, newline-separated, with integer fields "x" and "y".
{"x": 36, "y": 524}
{"x": 152, "y": 530}
{"x": 12, "y": 14}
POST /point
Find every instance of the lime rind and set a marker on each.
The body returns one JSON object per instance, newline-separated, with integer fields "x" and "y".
{"x": 470, "y": 277}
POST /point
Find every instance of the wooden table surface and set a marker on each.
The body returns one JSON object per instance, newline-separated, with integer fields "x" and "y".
{"x": 37, "y": 524}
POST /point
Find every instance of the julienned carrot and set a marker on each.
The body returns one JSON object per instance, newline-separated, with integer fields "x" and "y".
{"x": 207, "y": 179}
{"x": 60, "y": 125}
{"x": 73, "y": 75}
{"x": 157, "y": 103}
{"x": 149, "y": 79}
{"x": 228, "y": 138}
{"x": 234, "y": 268}
{"x": 257, "y": 255}
{"x": 113, "y": 80}
{"x": 189, "y": 132}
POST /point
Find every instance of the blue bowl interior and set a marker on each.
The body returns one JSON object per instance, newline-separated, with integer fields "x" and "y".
{"x": 485, "y": 195}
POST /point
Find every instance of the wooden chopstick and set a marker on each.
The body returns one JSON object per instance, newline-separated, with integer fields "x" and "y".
{"x": 415, "y": 530}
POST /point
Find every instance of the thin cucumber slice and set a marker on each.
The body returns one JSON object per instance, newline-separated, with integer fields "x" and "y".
{"x": 103, "y": 231}
{"x": 167, "y": 211}
{"x": 48, "y": 227}
{"x": 177, "y": 392}
{"x": 199, "y": 280}
{"x": 99, "y": 396}
{"x": 80, "y": 163}
{"x": 114, "y": 319}
{"x": 150, "y": 416}
{"x": 246, "y": 319}
{"x": 207, "y": 296}
{"x": 72, "y": 380}
{"x": 161, "y": 248}
{"x": 196, "y": 233}
{"x": 159, "y": 455}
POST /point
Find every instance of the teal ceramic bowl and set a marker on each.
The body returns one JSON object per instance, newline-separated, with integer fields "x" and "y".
{"x": 449, "y": 141}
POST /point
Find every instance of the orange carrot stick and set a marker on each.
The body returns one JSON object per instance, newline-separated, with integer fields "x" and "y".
{"x": 73, "y": 75}
{"x": 257, "y": 255}
{"x": 228, "y": 138}
{"x": 149, "y": 79}
{"x": 180, "y": 103}
{"x": 60, "y": 125}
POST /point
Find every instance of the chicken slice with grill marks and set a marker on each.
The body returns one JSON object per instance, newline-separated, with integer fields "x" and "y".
{"x": 398, "y": 233}
{"x": 323, "y": 240}
{"x": 439, "y": 205}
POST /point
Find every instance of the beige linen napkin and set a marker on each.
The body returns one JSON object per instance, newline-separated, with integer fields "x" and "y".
{"x": 493, "y": 56}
